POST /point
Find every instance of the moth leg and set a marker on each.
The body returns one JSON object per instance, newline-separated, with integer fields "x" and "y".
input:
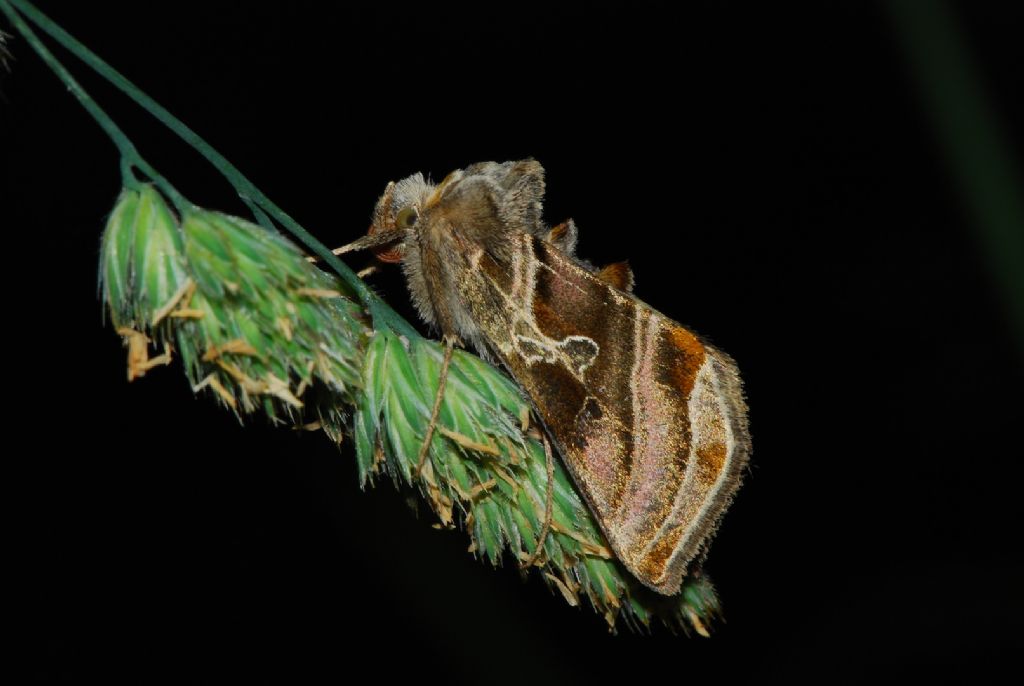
{"x": 363, "y": 273}
{"x": 421, "y": 459}
{"x": 549, "y": 501}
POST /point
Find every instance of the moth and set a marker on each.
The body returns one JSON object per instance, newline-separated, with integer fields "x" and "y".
{"x": 648, "y": 418}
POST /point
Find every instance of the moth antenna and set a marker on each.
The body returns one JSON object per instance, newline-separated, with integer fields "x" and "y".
{"x": 421, "y": 459}
{"x": 549, "y": 502}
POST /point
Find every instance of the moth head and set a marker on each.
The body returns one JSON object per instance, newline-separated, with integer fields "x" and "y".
{"x": 397, "y": 212}
{"x": 435, "y": 232}
{"x": 483, "y": 195}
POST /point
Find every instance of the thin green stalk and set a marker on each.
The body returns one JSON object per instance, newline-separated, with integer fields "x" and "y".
{"x": 380, "y": 311}
{"x": 261, "y": 216}
{"x": 130, "y": 156}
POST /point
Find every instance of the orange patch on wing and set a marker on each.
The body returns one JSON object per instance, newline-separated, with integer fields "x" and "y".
{"x": 558, "y": 232}
{"x": 618, "y": 275}
{"x": 685, "y": 340}
{"x": 712, "y": 456}
{"x": 688, "y": 358}
{"x": 710, "y": 461}
{"x": 655, "y": 563}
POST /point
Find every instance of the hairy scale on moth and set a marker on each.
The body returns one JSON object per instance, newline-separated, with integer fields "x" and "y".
{"x": 648, "y": 418}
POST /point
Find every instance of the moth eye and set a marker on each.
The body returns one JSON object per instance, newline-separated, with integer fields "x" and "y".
{"x": 407, "y": 217}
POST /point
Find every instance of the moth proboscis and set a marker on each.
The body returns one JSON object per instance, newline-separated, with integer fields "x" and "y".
{"x": 648, "y": 418}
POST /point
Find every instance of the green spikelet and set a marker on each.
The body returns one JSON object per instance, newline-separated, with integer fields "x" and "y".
{"x": 263, "y": 330}
{"x": 252, "y": 321}
{"x": 141, "y": 254}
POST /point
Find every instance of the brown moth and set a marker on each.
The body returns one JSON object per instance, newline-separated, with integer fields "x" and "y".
{"x": 648, "y": 418}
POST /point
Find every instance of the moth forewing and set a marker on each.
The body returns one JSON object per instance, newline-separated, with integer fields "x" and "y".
{"x": 649, "y": 420}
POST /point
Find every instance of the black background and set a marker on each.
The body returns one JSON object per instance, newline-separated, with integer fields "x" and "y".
{"x": 772, "y": 176}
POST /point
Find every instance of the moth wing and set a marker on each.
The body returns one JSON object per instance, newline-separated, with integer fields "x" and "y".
{"x": 650, "y": 420}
